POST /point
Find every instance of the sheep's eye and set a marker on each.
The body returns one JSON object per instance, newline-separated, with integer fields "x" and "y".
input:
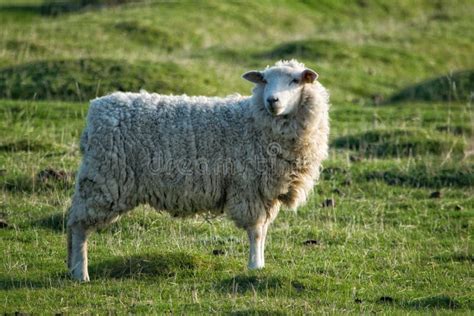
{"x": 294, "y": 81}
{"x": 264, "y": 81}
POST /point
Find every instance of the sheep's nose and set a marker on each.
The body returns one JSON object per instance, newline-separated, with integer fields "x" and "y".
{"x": 272, "y": 100}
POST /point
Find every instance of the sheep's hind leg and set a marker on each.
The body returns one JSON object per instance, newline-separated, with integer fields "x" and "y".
{"x": 77, "y": 251}
{"x": 256, "y": 238}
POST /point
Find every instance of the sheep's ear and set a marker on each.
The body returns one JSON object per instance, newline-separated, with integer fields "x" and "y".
{"x": 308, "y": 76}
{"x": 254, "y": 76}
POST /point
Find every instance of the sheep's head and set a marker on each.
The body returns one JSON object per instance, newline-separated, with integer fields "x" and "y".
{"x": 280, "y": 87}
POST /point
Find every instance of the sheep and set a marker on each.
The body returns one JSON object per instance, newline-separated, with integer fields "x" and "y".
{"x": 242, "y": 156}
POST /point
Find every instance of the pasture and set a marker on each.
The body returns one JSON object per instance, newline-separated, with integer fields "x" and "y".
{"x": 388, "y": 228}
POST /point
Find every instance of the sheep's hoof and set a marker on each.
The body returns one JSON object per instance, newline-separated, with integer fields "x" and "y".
{"x": 79, "y": 276}
{"x": 255, "y": 266}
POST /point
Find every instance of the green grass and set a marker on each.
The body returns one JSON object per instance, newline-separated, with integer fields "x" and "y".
{"x": 85, "y": 79}
{"x": 400, "y": 142}
{"x": 390, "y": 245}
{"x": 455, "y": 86}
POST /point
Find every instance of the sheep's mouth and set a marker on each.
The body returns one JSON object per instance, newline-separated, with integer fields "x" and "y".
{"x": 273, "y": 111}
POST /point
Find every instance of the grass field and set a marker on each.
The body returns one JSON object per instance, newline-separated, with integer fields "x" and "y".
{"x": 398, "y": 238}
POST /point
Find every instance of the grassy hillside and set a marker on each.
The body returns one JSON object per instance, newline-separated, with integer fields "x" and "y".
{"x": 361, "y": 48}
{"x": 396, "y": 236}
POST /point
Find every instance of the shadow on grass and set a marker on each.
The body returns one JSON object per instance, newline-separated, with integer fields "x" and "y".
{"x": 458, "y": 86}
{"x": 57, "y": 7}
{"x": 456, "y": 129}
{"x": 28, "y": 184}
{"x": 150, "y": 36}
{"x": 25, "y": 145}
{"x": 143, "y": 266}
{"x": 16, "y": 45}
{"x": 153, "y": 265}
{"x": 432, "y": 302}
{"x": 424, "y": 176}
{"x": 22, "y": 9}
{"x": 456, "y": 257}
{"x": 54, "y": 222}
{"x": 56, "y": 281}
{"x": 245, "y": 283}
{"x": 258, "y": 312}
{"x": 311, "y": 49}
{"x": 315, "y": 49}
{"x": 257, "y": 283}
{"x": 399, "y": 143}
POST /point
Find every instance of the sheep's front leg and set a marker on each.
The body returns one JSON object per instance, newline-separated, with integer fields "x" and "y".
{"x": 257, "y": 240}
{"x": 262, "y": 241}
{"x": 77, "y": 256}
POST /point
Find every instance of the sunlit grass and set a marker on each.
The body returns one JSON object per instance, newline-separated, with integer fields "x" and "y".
{"x": 385, "y": 236}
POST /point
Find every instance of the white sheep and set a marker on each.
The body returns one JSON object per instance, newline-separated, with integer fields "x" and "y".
{"x": 243, "y": 156}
